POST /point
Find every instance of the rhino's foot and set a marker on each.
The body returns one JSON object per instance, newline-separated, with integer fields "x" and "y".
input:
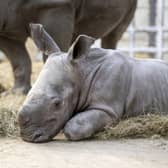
{"x": 84, "y": 125}
{"x": 21, "y": 90}
{"x": 18, "y": 56}
{"x": 2, "y": 89}
{"x": 77, "y": 130}
{"x": 16, "y": 91}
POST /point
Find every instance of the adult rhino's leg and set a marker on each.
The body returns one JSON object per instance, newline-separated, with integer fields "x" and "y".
{"x": 20, "y": 61}
{"x": 59, "y": 23}
{"x": 85, "y": 124}
{"x": 1, "y": 56}
{"x": 111, "y": 39}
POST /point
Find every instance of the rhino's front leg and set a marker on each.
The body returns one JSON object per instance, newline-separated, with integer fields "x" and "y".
{"x": 85, "y": 124}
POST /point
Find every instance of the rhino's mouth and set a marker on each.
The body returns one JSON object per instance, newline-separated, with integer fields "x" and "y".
{"x": 41, "y": 132}
{"x": 36, "y": 137}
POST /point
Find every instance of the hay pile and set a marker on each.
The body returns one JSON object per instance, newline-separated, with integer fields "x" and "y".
{"x": 9, "y": 106}
{"x": 137, "y": 127}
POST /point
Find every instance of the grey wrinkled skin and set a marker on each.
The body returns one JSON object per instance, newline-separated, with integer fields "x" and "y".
{"x": 64, "y": 20}
{"x": 86, "y": 89}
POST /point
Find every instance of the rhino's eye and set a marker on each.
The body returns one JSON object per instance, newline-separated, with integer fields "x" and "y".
{"x": 56, "y": 101}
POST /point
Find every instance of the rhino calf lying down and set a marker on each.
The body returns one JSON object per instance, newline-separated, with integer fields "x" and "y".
{"x": 87, "y": 88}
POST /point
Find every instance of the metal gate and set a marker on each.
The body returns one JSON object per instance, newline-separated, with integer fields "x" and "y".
{"x": 156, "y": 30}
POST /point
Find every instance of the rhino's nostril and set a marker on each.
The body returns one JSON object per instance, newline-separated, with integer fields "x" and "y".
{"x": 40, "y": 137}
{"x": 37, "y": 134}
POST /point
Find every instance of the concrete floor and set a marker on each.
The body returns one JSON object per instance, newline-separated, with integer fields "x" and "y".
{"x": 86, "y": 154}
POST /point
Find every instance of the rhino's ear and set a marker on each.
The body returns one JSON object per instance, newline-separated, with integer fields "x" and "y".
{"x": 80, "y": 47}
{"x": 43, "y": 40}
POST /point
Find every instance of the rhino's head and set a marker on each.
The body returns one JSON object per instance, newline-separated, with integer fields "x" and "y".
{"x": 53, "y": 98}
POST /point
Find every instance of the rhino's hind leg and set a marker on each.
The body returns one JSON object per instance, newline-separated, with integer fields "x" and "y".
{"x": 85, "y": 124}
{"x": 20, "y": 61}
{"x": 111, "y": 39}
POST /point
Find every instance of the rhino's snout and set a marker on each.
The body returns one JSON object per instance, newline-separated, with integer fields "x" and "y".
{"x": 32, "y": 128}
{"x": 37, "y": 137}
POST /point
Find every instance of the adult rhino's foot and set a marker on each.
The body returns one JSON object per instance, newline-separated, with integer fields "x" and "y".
{"x": 21, "y": 90}
{"x": 1, "y": 57}
{"x": 15, "y": 91}
{"x": 2, "y": 89}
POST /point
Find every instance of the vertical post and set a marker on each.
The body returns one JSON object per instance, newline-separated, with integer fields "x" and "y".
{"x": 159, "y": 28}
{"x": 131, "y": 39}
{"x": 152, "y": 22}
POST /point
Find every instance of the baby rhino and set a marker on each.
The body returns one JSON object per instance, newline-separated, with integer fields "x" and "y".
{"x": 82, "y": 91}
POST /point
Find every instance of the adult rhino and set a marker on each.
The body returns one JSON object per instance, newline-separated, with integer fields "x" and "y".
{"x": 64, "y": 20}
{"x": 87, "y": 88}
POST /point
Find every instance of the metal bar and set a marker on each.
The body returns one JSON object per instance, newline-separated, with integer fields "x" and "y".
{"x": 131, "y": 39}
{"x": 149, "y": 29}
{"x": 159, "y": 29}
{"x": 163, "y": 13}
{"x": 145, "y": 49}
{"x": 159, "y": 41}
{"x": 152, "y": 22}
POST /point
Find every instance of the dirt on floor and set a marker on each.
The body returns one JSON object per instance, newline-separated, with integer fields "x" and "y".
{"x": 85, "y": 154}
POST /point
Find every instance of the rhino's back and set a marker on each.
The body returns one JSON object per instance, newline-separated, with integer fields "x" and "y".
{"x": 148, "y": 91}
